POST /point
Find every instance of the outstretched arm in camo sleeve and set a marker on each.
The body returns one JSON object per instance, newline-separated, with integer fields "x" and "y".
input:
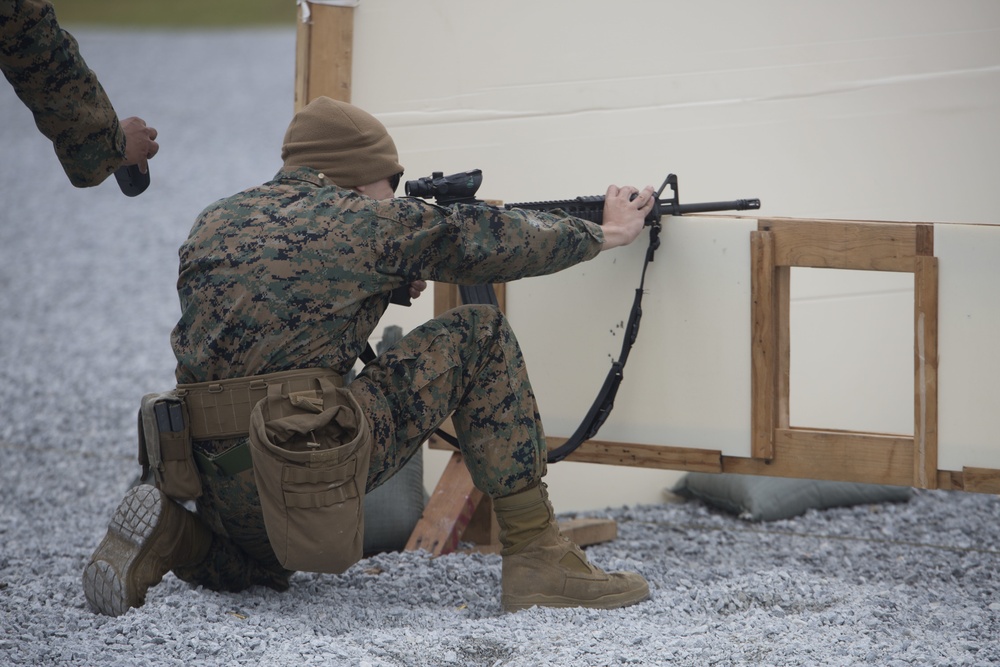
{"x": 469, "y": 244}
{"x": 43, "y": 63}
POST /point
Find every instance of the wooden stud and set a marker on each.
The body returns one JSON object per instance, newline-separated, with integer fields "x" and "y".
{"x": 925, "y": 353}
{"x": 324, "y": 53}
{"x": 950, "y": 480}
{"x": 303, "y": 45}
{"x": 782, "y": 325}
{"x": 925, "y": 241}
{"x": 448, "y": 512}
{"x": 828, "y": 244}
{"x": 445, "y": 298}
{"x": 584, "y": 532}
{"x": 833, "y": 455}
{"x": 763, "y": 345}
{"x": 629, "y": 454}
{"x": 981, "y": 480}
{"x": 643, "y": 456}
{"x": 501, "y": 291}
{"x": 483, "y": 528}
{"x": 974, "y": 480}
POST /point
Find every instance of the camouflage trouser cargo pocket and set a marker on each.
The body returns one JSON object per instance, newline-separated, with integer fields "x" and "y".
{"x": 311, "y": 453}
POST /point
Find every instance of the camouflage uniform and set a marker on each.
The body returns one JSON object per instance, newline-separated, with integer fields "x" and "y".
{"x": 297, "y": 272}
{"x": 43, "y": 63}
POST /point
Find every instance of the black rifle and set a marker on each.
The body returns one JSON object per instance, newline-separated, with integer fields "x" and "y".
{"x": 461, "y": 188}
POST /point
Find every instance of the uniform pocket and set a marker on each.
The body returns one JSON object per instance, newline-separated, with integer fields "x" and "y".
{"x": 311, "y": 452}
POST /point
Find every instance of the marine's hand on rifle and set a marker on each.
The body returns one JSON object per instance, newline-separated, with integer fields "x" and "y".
{"x": 625, "y": 211}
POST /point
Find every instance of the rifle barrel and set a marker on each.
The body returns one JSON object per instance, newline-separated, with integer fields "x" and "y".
{"x": 712, "y": 206}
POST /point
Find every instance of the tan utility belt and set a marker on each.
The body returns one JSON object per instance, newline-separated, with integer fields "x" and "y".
{"x": 221, "y": 409}
{"x": 306, "y": 440}
{"x": 216, "y": 410}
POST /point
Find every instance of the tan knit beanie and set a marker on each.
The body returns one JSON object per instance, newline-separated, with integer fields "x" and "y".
{"x": 348, "y": 145}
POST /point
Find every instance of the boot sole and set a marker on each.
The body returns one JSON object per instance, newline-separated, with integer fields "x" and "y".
{"x": 111, "y": 590}
{"x": 616, "y": 601}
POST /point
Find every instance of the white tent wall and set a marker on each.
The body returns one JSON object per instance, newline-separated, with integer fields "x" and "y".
{"x": 882, "y": 110}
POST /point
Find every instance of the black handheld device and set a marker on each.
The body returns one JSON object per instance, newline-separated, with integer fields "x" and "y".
{"x": 132, "y": 181}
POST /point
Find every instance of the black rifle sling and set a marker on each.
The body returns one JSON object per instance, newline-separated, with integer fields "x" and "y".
{"x": 605, "y": 401}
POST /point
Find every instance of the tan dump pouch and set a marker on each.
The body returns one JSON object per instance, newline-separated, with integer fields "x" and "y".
{"x": 165, "y": 446}
{"x": 311, "y": 450}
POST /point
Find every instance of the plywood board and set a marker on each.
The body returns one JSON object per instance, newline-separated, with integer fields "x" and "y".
{"x": 969, "y": 331}
{"x": 816, "y": 112}
{"x": 687, "y": 382}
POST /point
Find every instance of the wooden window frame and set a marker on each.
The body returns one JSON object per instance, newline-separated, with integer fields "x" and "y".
{"x": 776, "y": 247}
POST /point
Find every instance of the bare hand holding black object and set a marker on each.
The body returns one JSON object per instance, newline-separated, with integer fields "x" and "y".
{"x": 140, "y": 146}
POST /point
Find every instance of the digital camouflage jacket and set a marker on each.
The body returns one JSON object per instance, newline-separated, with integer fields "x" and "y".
{"x": 296, "y": 272}
{"x": 43, "y": 63}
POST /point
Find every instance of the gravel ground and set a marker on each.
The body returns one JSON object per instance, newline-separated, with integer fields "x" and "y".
{"x": 87, "y": 303}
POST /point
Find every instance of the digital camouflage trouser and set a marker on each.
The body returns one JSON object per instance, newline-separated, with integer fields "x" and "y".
{"x": 467, "y": 364}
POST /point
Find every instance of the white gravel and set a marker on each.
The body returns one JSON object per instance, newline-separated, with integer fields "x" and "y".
{"x": 87, "y": 303}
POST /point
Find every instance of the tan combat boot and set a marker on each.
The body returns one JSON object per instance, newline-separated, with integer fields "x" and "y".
{"x": 148, "y": 536}
{"x": 543, "y": 568}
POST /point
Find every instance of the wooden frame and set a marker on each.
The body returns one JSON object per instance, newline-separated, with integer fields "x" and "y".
{"x": 776, "y": 247}
{"x": 324, "y": 53}
{"x": 777, "y": 449}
